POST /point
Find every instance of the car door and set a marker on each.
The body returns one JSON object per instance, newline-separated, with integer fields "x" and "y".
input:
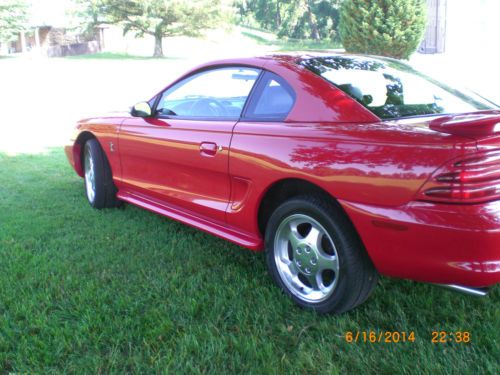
{"x": 261, "y": 140}
{"x": 179, "y": 156}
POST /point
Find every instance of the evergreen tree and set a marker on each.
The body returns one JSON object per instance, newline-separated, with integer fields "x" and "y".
{"x": 391, "y": 28}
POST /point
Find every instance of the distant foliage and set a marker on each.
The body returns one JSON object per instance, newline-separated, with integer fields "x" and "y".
{"x": 299, "y": 19}
{"x": 391, "y": 28}
{"x": 13, "y": 19}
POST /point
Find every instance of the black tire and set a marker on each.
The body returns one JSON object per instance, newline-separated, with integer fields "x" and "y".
{"x": 352, "y": 275}
{"x": 100, "y": 189}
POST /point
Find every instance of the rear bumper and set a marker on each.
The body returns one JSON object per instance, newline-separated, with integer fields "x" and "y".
{"x": 437, "y": 243}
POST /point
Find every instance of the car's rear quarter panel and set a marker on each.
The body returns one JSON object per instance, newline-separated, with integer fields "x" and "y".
{"x": 375, "y": 172}
{"x": 380, "y": 164}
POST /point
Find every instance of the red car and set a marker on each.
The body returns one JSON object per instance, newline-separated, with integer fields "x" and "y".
{"x": 341, "y": 167}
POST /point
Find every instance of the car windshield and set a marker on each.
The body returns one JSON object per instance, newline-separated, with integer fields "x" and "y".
{"x": 391, "y": 89}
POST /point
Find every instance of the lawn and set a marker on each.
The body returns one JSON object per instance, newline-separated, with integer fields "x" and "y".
{"x": 125, "y": 290}
{"x": 115, "y": 56}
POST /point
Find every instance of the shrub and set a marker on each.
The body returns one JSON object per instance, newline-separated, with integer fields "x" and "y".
{"x": 391, "y": 28}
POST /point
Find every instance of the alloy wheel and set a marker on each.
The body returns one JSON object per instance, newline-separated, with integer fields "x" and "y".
{"x": 306, "y": 258}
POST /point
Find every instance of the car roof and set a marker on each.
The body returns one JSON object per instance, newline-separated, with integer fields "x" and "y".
{"x": 292, "y": 58}
{"x": 311, "y": 105}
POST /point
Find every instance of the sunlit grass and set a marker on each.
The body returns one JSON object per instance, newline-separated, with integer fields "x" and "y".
{"x": 127, "y": 291}
{"x": 116, "y": 56}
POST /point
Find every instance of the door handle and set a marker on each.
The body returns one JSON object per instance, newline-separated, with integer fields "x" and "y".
{"x": 209, "y": 148}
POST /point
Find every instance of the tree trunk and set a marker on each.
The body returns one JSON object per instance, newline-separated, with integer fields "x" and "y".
{"x": 158, "y": 45}
{"x": 312, "y": 22}
{"x": 278, "y": 15}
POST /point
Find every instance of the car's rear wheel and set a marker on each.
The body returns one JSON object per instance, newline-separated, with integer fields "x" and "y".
{"x": 99, "y": 186}
{"x": 315, "y": 255}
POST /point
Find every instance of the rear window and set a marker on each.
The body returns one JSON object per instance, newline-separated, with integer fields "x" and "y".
{"x": 273, "y": 99}
{"x": 391, "y": 89}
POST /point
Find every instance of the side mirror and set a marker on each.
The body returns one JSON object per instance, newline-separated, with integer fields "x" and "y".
{"x": 367, "y": 99}
{"x": 141, "y": 109}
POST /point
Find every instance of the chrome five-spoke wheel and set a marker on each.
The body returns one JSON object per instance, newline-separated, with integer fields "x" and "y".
{"x": 306, "y": 258}
{"x": 315, "y": 255}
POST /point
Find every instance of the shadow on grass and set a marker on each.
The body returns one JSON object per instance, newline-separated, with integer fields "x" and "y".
{"x": 258, "y": 38}
{"x": 293, "y": 44}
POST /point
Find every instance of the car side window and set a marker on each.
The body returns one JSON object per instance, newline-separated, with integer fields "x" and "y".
{"x": 274, "y": 99}
{"x": 219, "y": 93}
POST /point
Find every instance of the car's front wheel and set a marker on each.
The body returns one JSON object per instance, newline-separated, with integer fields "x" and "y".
{"x": 315, "y": 255}
{"x": 99, "y": 186}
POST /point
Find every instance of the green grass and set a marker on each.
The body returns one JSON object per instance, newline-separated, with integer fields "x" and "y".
{"x": 115, "y": 56}
{"x": 127, "y": 291}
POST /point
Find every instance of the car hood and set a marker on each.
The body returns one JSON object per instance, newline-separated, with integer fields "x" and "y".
{"x": 105, "y": 116}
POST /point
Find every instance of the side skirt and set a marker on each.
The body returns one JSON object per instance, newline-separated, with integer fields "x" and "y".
{"x": 227, "y": 233}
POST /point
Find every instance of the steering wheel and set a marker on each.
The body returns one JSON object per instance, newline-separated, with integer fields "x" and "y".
{"x": 214, "y": 107}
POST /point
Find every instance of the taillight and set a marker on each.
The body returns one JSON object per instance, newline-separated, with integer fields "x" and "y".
{"x": 473, "y": 179}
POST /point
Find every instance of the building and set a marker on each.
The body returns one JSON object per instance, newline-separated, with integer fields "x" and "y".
{"x": 53, "y": 32}
{"x": 55, "y": 41}
{"x": 455, "y": 26}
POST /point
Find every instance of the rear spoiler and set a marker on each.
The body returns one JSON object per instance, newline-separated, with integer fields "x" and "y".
{"x": 468, "y": 125}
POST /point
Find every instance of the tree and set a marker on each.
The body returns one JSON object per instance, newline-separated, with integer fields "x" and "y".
{"x": 13, "y": 19}
{"x": 159, "y": 18}
{"x": 391, "y": 28}
{"x": 299, "y": 19}
{"x": 89, "y": 14}
{"x": 266, "y": 13}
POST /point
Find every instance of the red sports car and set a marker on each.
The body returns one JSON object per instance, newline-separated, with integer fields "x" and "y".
{"x": 341, "y": 167}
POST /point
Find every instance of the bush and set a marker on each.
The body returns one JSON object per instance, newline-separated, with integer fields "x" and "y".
{"x": 391, "y": 28}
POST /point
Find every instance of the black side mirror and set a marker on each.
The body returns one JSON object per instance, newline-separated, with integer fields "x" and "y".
{"x": 142, "y": 109}
{"x": 367, "y": 99}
